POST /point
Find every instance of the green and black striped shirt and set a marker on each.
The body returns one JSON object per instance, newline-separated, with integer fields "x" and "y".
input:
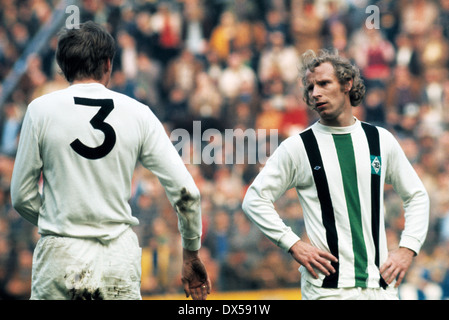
{"x": 339, "y": 175}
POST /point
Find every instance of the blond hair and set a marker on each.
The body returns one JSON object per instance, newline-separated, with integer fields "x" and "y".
{"x": 344, "y": 71}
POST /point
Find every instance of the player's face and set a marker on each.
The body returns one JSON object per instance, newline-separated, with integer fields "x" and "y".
{"x": 328, "y": 97}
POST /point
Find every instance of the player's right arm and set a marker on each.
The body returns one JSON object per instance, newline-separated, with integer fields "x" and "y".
{"x": 25, "y": 195}
{"x": 311, "y": 257}
{"x": 277, "y": 176}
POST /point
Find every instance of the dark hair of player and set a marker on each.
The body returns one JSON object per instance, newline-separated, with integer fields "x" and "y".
{"x": 83, "y": 53}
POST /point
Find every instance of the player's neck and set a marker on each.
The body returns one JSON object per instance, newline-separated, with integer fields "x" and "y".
{"x": 85, "y": 81}
{"x": 104, "y": 80}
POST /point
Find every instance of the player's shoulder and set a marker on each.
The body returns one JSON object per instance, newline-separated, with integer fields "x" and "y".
{"x": 121, "y": 97}
{"x": 292, "y": 146}
{"x": 384, "y": 133}
{"x": 295, "y": 141}
{"x": 292, "y": 140}
{"x": 48, "y": 96}
{"x": 46, "y": 101}
{"x": 388, "y": 140}
{"x": 122, "y": 100}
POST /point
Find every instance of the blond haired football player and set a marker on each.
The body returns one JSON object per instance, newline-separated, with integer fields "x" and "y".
{"x": 338, "y": 167}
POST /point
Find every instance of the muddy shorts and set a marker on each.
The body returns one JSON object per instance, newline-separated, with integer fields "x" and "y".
{"x": 87, "y": 269}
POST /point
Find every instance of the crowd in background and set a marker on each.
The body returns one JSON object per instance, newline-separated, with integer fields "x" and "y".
{"x": 233, "y": 64}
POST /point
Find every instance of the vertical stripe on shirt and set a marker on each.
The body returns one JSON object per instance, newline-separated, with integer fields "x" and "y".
{"x": 346, "y": 158}
{"x": 327, "y": 210}
{"x": 372, "y": 134}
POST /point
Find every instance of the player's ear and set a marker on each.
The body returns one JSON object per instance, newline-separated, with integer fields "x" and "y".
{"x": 107, "y": 66}
{"x": 348, "y": 85}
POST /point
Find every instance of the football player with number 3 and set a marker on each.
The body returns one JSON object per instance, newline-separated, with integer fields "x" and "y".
{"x": 85, "y": 141}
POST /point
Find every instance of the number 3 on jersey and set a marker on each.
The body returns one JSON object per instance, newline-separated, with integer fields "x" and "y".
{"x": 97, "y": 122}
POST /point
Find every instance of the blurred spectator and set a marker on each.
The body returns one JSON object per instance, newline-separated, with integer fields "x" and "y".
{"x": 20, "y": 36}
{"x": 279, "y": 61}
{"x": 295, "y": 116}
{"x": 127, "y": 54}
{"x": 235, "y": 76}
{"x": 402, "y": 90}
{"x": 10, "y": 129}
{"x": 167, "y": 24}
{"x": 334, "y": 24}
{"x": 156, "y": 258}
{"x": 306, "y": 26}
{"x": 407, "y": 55}
{"x": 419, "y": 287}
{"x": 148, "y": 82}
{"x": 142, "y": 31}
{"x": 177, "y": 108}
{"x": 195, "y": 29}
{"x": 270, "y": 117}
{"x": 374, "y": 54}
{"x": 245, "y": 237}
{"x": 182, "y": 72}
{"x": 432, "y": 92}
{"x": 374, "y": 106}
{"x": 223, "y": 35}
{"x": 217, "y": 238}
{"x": 275, "y": 22}
{"x": 418, "y": 18}
{"x": 205, "y": 101}
{"x": 120, "y": 83}
{"x": 435, "y": 51}
{"x": 214, "y": 67}
{"x": 34, "y": 78}
{"x": 443, "y": 17}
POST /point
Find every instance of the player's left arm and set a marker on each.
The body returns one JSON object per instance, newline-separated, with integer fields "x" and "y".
{"x": 406, "y": 182}
{"x": 397, "y": 264}
{"x": 161, "y": 158}
{"x": 25, "y": 195}
{"x": 195, "y": 279}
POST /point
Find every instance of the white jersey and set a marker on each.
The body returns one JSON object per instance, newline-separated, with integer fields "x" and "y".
{"x": 339, "y": 178}
{"x": 86, "y": 141}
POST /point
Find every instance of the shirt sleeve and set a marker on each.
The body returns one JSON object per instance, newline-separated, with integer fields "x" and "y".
{"x": 276, "y": 177}
{"x": 25, "y": 195}
{"x": 161, "y": 158}
{"x": 406, "y": 182}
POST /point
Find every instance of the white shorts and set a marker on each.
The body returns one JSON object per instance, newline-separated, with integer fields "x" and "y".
{"x": 312, "y": 292}
{"x": 71, "y": 268}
